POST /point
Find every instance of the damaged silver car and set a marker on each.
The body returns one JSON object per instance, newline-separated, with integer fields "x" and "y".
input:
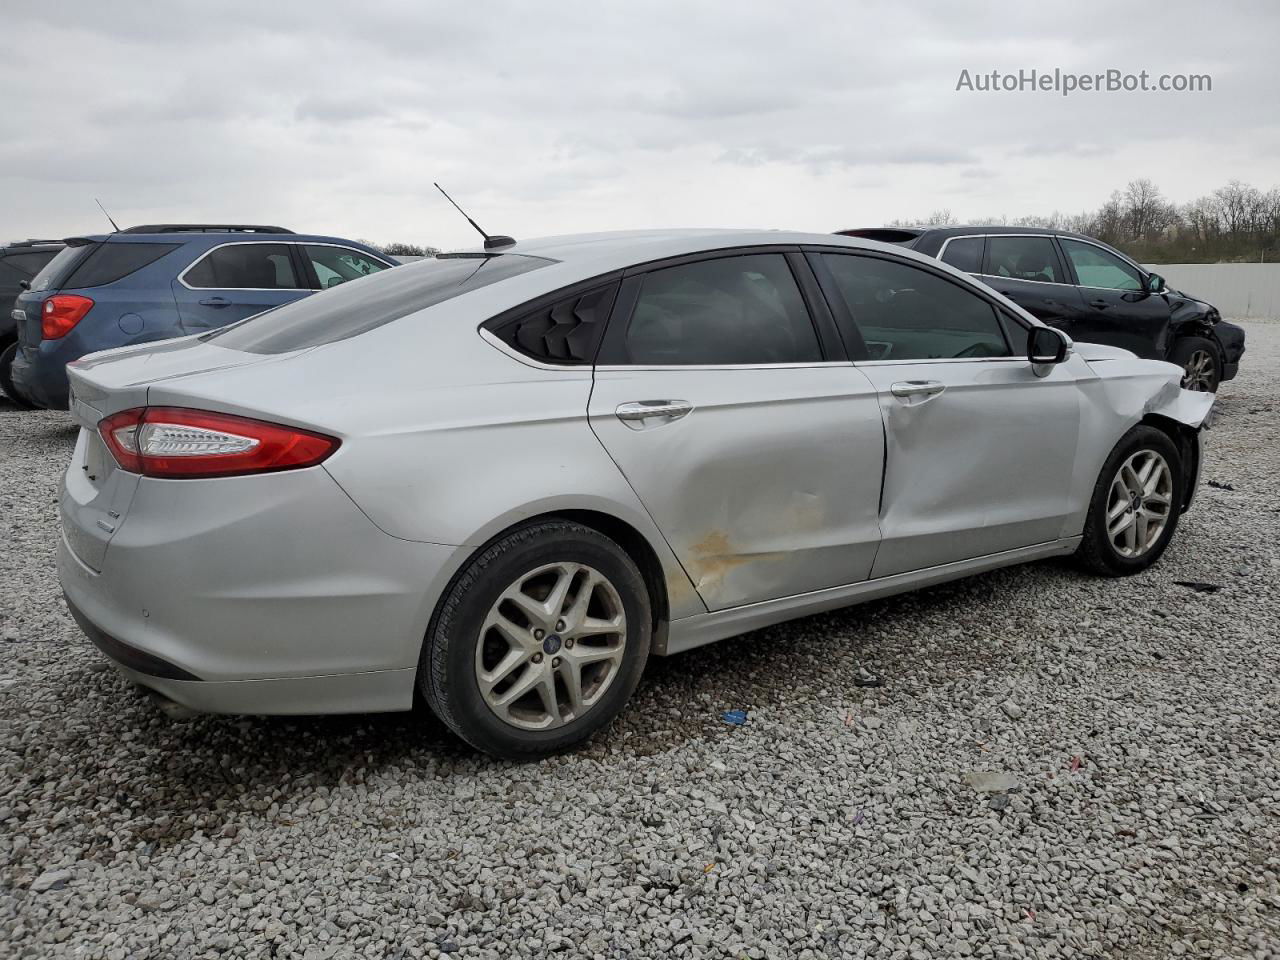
{"x": 503, "y": 479}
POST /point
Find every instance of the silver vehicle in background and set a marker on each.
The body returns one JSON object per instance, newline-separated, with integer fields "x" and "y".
{"x": 505, "y": 478}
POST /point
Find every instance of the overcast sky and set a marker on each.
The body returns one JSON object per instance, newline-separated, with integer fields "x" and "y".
{"x": 557, "y": 117}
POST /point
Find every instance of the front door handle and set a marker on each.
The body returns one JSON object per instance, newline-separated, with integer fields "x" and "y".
{"x": 917, "y": 388}
{"x": 638, "y": 414}
{"x": 215, "y": 302}
{"x": 1100, "y": 304}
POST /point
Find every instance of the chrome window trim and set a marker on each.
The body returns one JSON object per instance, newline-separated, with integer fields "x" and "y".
{"x": 182, "y": 277}
{"x": 625, "y": 367}
{"x": 1047, "y": 236}
{"x": 528, "y": 361}
{"x": 890, "y": 363}
{"x": 1047, "y": 283}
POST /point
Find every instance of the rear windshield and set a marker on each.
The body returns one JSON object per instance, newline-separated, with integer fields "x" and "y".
{"x": 115, "y": 261}
{"x": 362, "y": 305}
{"x": 57, "y": 269}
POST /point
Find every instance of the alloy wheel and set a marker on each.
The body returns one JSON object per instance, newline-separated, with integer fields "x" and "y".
{"x": 551, "y": 645}
{"x": 1201, "y": 372}
{"x": 1139, "y": 503}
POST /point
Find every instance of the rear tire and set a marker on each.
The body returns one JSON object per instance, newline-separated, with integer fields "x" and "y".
{"x": 1135, "y": 506}
{"x": 1201, "y": 363}
{"x": 554, "y": 609}
{"x": 6, "y": 378}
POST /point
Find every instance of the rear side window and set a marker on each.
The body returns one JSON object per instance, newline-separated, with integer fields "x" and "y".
{"x": 362, "y": 305}
{"x": 733, "y": 310}
{"x": 244, "y": 266}
{"x": 566, "y": 331}
{"x": 115, "y": 261}
{"x": 906, "y": 313}
{"x": 964, "y": 253}
{"x": 1024, "y": 258}
{"x": 29, "y": 263}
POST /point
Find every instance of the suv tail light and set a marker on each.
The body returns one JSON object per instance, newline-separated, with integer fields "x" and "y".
{"x": 61, "y": 312}
{"x": 179, "y": 443}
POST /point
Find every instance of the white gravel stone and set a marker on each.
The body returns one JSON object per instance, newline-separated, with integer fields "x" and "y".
{"x": 1143, "y": 823}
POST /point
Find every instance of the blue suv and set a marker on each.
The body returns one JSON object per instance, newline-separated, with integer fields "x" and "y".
{"x": 162, "y": 281}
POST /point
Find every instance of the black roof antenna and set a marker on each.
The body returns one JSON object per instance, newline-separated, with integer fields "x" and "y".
{"x": 105, "y": 214}
{"x": 490, "y": 242}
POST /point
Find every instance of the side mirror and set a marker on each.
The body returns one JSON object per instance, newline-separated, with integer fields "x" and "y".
{"x": 25, "y": 284}
{"x": 1155, "y": 283}
{"x": 1047, "y": 346}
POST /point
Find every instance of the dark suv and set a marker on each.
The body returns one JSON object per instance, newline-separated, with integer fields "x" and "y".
{"x": 1090, "y": 290}
{"x": 19, "y": 263}
{"x": 162, "y": 281}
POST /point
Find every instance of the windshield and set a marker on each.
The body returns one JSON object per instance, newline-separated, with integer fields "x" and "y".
{"x": 361, "y": 305}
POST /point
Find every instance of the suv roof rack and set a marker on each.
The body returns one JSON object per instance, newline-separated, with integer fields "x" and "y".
{"x": 29, "y": 242}
{"x": 205, "y": 228}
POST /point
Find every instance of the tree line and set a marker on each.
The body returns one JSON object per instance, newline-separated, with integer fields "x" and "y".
{"x": 1235, "y": 223}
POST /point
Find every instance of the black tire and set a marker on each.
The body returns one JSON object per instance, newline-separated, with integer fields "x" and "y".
{"x": 1097, "y": 553}
{"x": 6, "y": 378}
{"x": 1188, "y": 349}
{"x": 447, "y": 670}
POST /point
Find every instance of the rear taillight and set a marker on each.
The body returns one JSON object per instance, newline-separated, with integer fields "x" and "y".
{"x": 178, "y": 443}
{"x": 60, "y": 313}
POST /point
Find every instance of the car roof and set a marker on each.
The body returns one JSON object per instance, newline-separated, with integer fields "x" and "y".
{"x": 210, "y": 238}
{"x": 615, "y": 250}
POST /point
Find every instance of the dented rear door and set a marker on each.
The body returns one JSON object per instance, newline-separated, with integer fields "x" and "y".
{"x": 764, "y": 477}
{"x": 767, "y": 485}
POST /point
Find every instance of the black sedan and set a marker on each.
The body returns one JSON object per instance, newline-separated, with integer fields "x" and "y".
{"x": 1090, "y": 290}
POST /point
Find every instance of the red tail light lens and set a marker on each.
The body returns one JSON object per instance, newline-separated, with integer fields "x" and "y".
{"x": 179, "y": 443}
{"x": 62, "y": 312}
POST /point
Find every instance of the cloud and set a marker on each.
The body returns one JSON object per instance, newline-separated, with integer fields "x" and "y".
{"x": 581, "y": 116}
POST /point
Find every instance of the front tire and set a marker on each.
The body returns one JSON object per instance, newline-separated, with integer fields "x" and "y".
{"x": 538, "y": 641}
{"x": 1201, "y": 363}
{"x": 1135, "y": 506}
{"x": 6, "y": 378}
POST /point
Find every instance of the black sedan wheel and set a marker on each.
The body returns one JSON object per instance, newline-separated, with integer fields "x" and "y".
{"x": 1200, "y": 363}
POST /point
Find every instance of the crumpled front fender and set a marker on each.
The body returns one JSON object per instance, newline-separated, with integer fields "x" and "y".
{"x": 1188, "y": 407}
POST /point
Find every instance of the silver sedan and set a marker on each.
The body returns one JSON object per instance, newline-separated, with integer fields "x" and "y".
{"x": 504, "y": 479}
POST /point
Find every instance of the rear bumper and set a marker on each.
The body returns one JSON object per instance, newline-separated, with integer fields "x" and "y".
{"x": 40, "y": 373}
{"x": 269, "y": 594}
{"x": 375, "y": 691}
{"x": 1231, "y": 337}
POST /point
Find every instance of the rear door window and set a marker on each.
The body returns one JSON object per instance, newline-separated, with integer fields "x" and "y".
{"x": 335, "y": 265}
{"x": 906, "y": 313}
{"x": 244, "y": 266}
{"x": 1024, "y": 258}
{"x": 115, "y": 261}
{"x": 732, "y": 310}
{"x": 964, "y": 253}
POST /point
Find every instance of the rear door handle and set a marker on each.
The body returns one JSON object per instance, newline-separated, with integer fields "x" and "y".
{"x": 215, "y": 302}
{"x": 638, "y": 414}
{"x": 917, "y": 388}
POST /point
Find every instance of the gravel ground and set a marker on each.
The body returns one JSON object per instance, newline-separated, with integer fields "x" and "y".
{"x": 1055, "y": 766}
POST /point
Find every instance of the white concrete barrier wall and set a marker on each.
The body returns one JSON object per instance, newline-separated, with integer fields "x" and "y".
{"x": 1246, "y": 290}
